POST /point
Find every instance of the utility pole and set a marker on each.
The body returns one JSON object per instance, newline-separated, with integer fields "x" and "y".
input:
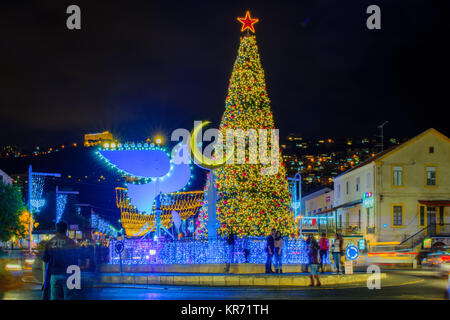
{"x": 381, "y": 136}
{"x": 30, "y": 190}
{"x": 296, "y": 193}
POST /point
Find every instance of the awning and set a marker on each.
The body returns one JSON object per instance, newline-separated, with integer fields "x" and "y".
{"x": 435, "y": 203}
{"x": 344, "y": 205}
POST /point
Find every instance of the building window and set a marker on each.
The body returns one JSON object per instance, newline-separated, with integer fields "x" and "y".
{"x": 346, "y": 187}
{"x": 431, "y": 150}
{"x": 397, "y": 176}
{"x": 441, "y": 216}
{"x": 397, "y": 215}
{"x": 338, "y": 191}
{"x": 368, "y": 180}
{"x": 357, "y": 184}
{"x": 431, "y": 176}
{"x": 421, "y": 216}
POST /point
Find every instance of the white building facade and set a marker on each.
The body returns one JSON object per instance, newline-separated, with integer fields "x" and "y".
{"x": 398, "y": 194}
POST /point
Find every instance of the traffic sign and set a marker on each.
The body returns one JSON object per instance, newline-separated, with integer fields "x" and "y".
{"x": 119, "y": 247}
{"x": 362, "y": 244}
{"x": 352, "y": 252}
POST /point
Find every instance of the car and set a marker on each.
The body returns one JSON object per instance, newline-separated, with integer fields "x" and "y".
{"x": 439, "y": 259}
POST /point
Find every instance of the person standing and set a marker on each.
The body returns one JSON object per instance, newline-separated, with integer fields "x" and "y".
{"x": 246, "y": 249}
{"x": 270, "y": 246}
{"x": 307, "y": 241}
{"x": 314, "y": 262}
{"x": 337, "y": 250}
{"x": 323, "y": 249}
{"x": 60, "y": 253}
{"x": 230, "y": 242}
{"x": 278, "y": 245}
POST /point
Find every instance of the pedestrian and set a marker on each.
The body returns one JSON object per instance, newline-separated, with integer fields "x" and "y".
{"x": 337, "y": 251}
{"x": 60, "y": 253}
{"x": 278, "y": 245}
{"x": 314, "y": 262}
{"x": 230, "y": 242}
{"x": 46, "y": 281}
{"x": 246, "y": 249}
{"x": 270, "y": 246}
{"x": 308, "y": 240}
{"x": 323, "y": 249}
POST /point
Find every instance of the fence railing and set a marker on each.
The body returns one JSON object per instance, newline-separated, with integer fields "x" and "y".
{"x": 329, "y": 226}
{"x": 433, "y": 230}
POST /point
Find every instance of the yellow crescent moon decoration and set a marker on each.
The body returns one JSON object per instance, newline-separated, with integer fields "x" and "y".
{"x": 197, "y": 155}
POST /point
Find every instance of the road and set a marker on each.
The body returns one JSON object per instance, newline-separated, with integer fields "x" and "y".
{"x": 399, "y": 285}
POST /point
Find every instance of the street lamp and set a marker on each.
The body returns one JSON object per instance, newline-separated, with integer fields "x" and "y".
{"x": 159, "y": 140}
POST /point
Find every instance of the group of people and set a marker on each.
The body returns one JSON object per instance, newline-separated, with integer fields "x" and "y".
{"x": 317, "y": 253}
{"x": 274, "y": 249}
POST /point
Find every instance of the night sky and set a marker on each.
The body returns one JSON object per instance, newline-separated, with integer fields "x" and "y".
{"x": 143, "y": 67}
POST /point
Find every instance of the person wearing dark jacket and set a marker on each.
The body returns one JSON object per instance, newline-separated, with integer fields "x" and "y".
{"x": 60, "y": 253}
{"x": 270, "y": 248}
{"x": 314, "y": 261}
{"x": 46, "y": 283}
{"x": 230, "y": 242}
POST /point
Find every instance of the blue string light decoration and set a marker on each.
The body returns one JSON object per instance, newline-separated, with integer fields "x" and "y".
{"x": 37, "y": 188}
{"x": 103, "y": 226}
{"x": 61, "y": 201}
{"x": 147, "y": 251}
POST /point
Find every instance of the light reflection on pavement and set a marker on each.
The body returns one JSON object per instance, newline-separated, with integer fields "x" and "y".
{"x": 398, "y": 285}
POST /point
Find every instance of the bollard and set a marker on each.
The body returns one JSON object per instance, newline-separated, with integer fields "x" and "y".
{"x": 43, "y": 272}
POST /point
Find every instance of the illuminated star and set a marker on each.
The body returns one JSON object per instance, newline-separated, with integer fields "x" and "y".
{"x": 248, "y": 22}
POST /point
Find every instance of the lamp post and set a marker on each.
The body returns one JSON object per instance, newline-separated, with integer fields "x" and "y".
{"x": 30, "y": 189}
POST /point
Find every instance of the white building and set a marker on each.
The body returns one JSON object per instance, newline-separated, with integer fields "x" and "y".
{"x": 398, "y": 193}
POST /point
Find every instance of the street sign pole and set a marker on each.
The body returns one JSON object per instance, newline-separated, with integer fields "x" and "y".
{"x": 120, "y": 261}
{"x": 119, "y": 246}
{"x": 352, "y": 253}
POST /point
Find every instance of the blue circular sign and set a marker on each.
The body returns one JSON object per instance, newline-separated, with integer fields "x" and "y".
{"x": 352, "y": 252}
{"x": 119, "y": 246}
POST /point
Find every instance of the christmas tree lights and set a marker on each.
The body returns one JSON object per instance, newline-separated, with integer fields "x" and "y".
{"x": 250, "y": 203}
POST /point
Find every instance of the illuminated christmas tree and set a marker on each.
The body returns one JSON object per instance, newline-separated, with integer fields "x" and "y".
{"x": 250, "y": 203}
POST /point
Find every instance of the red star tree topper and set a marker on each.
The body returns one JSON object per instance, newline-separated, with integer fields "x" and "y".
{"x": 248, "y": 22}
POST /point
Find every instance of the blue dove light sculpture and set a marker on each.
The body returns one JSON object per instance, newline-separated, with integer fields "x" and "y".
{"x": 162, "y": 173}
